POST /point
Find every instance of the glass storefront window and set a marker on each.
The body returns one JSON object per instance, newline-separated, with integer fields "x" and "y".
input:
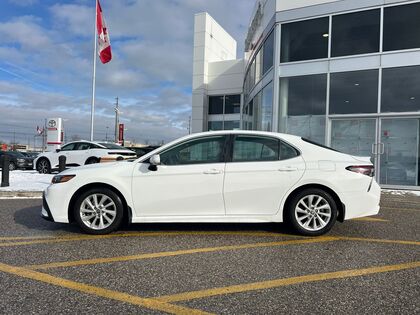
{"x": 215, "y": 125}
{"x": 400, "y": 89}
{"x": 305, "y": 40}
{"x": 216, "y": 105}
{"x": 232, "y": 104}
{"x": 354, "y": 92}
{"x": 231, "y": 125}
{"x": 268, "y": 53}
{"x": 355, "y": 33}
{"x": 258, "y": 70}
{"x": 303, "y": 106}
{"x": 267, "y": 108}
{"x": 402, "y": 27}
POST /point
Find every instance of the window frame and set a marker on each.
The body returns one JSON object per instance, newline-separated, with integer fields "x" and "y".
{"x": 224, "y": 149}
{"x": 232, "y": 138}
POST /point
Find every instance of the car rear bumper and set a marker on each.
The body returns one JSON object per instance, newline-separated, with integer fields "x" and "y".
{"x": 362, "y": 204}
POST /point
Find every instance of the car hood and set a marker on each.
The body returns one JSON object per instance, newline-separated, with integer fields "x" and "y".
{"x": 102, "y": 167}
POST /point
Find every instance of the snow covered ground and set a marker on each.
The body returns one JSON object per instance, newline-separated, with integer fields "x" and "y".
{"x": 27, "y": 181}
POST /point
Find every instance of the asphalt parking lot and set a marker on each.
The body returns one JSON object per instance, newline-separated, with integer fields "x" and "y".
{"x": 363, "y": 266}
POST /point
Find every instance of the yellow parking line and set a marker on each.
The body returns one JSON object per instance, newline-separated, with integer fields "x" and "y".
{"x": 368, "y": 219}
{"x": 186, "y": 296}
{"x": 179, "y": 252}
{"x": 141, "y": 234}
{"x": 97, "y": 291}
{"x": 378, "y": 240}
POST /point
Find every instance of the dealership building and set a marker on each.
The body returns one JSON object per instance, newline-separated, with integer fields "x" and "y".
{"x": 344, "y": 73}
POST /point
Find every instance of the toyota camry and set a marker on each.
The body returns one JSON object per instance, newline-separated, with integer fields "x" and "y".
{"x": 223, "y": 176}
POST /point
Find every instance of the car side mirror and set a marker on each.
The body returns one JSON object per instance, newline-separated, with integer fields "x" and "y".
{"x": 154, "y": 162}
{"x": 57, "y": 150}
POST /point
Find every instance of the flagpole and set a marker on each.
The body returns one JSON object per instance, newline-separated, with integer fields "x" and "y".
{"x": 92, "y": 111}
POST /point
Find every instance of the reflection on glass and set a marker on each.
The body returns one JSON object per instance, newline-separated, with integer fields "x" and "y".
{"x": 268, "y": 52}
{"x": 215, "y": 125}
{"x": 303, "y": 106}
{"x": 400, "y": 160}
{"x": 355, "y": 33}
{"x": 216, "y": 104}
{"x": 231, "y": 125}
{"x": 354, "y": 137}
{"x": 267, "y": 108}
{"x": 232, "y": 104}
{"x": 402, "y": 27}
{"x": 400, "y": 89}
{"x": 354, "y": 92}
{"x": 304, "y": 40}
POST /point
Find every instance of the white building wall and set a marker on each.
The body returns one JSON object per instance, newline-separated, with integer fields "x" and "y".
{"x": 211, "y": 44}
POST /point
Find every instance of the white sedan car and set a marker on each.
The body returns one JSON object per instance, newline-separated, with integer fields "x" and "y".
{"x": 80, "y": 153}
{"x": 229, "y": 176}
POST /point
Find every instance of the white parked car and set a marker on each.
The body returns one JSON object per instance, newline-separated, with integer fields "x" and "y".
{"x": 81, "y": 153}
{"x": 228, "y": 176}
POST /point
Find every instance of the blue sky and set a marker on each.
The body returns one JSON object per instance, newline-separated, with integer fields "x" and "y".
{"x": 46, "y": 64}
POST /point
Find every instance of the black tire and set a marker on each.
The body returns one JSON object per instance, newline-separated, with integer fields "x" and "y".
{"x": 119, "y": 212}
{"x": 43, "y": 166}
{"x": 12, "y": 166}
{"x": 92, "y": 160}
{"x": 316, "y": 216}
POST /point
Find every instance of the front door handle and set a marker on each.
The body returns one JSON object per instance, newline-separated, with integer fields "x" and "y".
{"x": 287, "y": 169}
{"x": 213, "y": 171}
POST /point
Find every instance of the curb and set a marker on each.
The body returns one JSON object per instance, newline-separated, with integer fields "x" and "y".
{"x": 20, "y": 194}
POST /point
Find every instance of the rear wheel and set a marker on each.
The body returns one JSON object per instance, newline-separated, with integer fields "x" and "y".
{"x": 98, "y": 211}
{"x": 43, "y": 166}
{"x": 92, "y": 160}
{"x": 312, "y": 212}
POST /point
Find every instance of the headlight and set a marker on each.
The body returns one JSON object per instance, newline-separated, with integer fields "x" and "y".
{"x": 21, "y": 160}
{"x": 57, "y": 179}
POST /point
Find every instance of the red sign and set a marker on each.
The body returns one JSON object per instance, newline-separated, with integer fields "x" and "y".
{"x": 4, "y": 147}
{"x": 121, "y": 133}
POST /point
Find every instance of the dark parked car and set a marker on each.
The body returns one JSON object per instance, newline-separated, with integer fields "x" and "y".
{"x": 18, "y": 160}
{"x": 143, "y": 150}
{"x": 32, "y": 155}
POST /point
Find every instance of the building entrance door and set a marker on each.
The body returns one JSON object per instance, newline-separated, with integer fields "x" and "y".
{"x": 399, "y": 163}
{"x": 392, "y": 143}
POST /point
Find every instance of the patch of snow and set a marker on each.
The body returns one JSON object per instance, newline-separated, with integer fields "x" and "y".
{"x": 401, "y": 192}
{"x": 27, "y": 181}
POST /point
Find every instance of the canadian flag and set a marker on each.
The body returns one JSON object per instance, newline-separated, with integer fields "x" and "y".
{"x": 104, "y": 43}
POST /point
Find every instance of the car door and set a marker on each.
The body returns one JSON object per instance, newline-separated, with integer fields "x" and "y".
{"x": 71, "y": 153}
{"x": 189, "y": 181}
{"x": 262, "y": 169}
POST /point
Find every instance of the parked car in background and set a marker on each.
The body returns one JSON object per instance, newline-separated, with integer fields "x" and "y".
{"x": 81, "y": 153}
{"x": 17, "y": 160}
{"x": 140, "y": 151}
{"x": 30, "y": 154}
{"x": 226, "y": 176}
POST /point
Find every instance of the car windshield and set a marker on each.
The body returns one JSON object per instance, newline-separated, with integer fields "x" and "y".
{"x": 112, "y": 146}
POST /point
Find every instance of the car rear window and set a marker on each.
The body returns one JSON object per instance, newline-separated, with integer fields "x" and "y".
{"x": 319, "y": 145}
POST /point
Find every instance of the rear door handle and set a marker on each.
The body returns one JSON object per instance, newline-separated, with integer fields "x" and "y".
{"x": 287, "y": 169}
{"x": 213, "y": 171}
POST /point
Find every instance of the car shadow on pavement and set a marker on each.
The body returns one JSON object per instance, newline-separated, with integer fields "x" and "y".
{"x": 30, "y": 218}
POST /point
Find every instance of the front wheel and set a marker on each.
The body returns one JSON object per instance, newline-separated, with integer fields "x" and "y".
{"x": 312, "y": 212}
{"x": 98, "y": 211}
{"x": 43, "y": 166}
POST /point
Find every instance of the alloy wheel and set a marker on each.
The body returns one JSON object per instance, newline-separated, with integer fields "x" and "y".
{"x": 43, "y": 167}
{"x": 98, "y": 211}
{"x": 313, "y": 212}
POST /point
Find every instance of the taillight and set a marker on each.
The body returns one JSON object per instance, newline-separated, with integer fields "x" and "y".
{"x": 368, "y": 170}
